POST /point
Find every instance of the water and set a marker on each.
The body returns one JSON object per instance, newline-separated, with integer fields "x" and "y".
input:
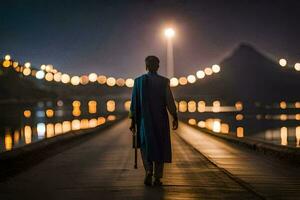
{"x": 277, "y": 123}
{"x": 23, "y": 124}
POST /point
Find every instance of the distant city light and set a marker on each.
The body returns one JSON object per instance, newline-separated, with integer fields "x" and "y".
{"x": 43, "y": 67}
{"x": 120, "y": 82}
{"x": 7, "y": 57}
{"x": 27, "y": 113}
{"x": 75, "y": 80}
{"x": 40, "y": 75}
{"x": 208, "y": 71}
{"x": 57, "y": 77}
{"x": 216, "y": 68}
{"x": 297, "y": 66}
{"x": 65, "y": 78}
{"x": 27, "y": 64}
{"x": 169, "y": 32}
{"x": 49, "y": 76}
{"x": 174, "y": 82}
{"x": 183, "y": 81}
{"x": 129, "y": 82}
{"x": 111, "y": 81}
{"x": 282, "y": 62}
{"x": 101, "y": 79}
{"x": 200, "y": 74}
{"x": 93, "y": 77}
{"x": 191, "y": 79}
{"x": 6, "y": 63}
{"x": 15, "y": 64}
{"x": 84, "y": 79}
{"x": 27, "y": 71}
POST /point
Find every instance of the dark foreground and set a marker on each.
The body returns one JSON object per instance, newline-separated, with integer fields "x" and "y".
{"x": 102, "y": 168}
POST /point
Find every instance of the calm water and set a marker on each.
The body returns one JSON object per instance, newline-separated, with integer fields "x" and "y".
{"x": 23, "y": 124}
{"x": 28, "y": 123}
{"x": 277, "y": 123}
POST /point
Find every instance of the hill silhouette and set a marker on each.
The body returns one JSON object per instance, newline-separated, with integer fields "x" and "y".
{"x": 247, "y": 75}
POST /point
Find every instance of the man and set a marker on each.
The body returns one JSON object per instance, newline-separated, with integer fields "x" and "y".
{"x": 151, "y": 98}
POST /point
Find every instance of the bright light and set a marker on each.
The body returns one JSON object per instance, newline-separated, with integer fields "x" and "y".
{"x": 169, "y": 32}
{"x": 101, "y": 79}
{"x": 84, "y": 79}
{"x": 174, "y": 82}
{"x": 15, "y": 64}
{"x": 7, "y": 57}
{"x": 49, "y": 68}
{"x": 111, "y": 81}
{"x": 27, "y": 64}
{"x": 120, "y": 82}
{"x": 93, "y": 77}
{"x": 40, "y": 75}
{"x": 27, "y": 113}
{"x": 182, "y": 81}
{"x": 75, "y": 80}
{"x": 129, "y": 82}
{"x": 216, "y": 126}
{"x": 65, "y": 78}
{"x": 57, "y": 77}
{"x": 297, "y": 66}
{"x": 191, "y": 79}
{"x": 6, "y": 63}
{"x": 27, "y": 71}
{"x": 110, "y": 106}
{"x": 216, "y": 68}
{"x": 208, "y": 71}
{"x": 282, "y": 62}
{"x": 200, "y": 74}
{"x": 49, "y": 76}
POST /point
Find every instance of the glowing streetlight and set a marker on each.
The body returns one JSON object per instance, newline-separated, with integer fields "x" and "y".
{"x": 282, "y": 62}
{"x": 170, "y": 33}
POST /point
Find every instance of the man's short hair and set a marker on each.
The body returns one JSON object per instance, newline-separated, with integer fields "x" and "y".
{"x": 152, "y": 63}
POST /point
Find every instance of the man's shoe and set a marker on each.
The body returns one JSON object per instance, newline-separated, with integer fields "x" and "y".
{"x": 148, "y": 179}
{"x": 157, "y": 182}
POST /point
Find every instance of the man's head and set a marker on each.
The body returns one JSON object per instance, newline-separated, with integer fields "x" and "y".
{"x": 152, "y": 63}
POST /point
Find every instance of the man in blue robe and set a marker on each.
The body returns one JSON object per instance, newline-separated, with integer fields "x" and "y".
{"x": 151, "y": 98}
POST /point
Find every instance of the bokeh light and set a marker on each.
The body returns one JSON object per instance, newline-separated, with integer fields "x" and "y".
{"x": 216, "y": 68}
{"x": 40, "y": 75}
{"x": 208, "y": 71}
{"x": 111, "y": 81}
{"x": 65, "y": 78}
{"x": 282, "y": 62}
{"x": 93, "y": 77}
{"x": 200, "y": 74}
{"x": 191, "y": 79}
{"x": 75, "y": 80}
{"x": 129, "y": 82}
{"x": 174, "y": 82}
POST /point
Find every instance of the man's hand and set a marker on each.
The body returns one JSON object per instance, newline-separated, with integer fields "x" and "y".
{"x": 132, "y": 126}
{"x": 175, "y": 124}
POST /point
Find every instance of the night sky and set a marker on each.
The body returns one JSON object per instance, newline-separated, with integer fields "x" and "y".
{"x": 113, "y": 37}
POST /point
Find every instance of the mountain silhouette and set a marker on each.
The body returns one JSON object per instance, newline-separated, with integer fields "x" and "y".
{"x": 247, "y": 75}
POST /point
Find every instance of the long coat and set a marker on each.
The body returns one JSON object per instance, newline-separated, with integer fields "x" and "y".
{"x": 151, "y": 97}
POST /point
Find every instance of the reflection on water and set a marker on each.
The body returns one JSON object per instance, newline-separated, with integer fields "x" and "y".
{"x": 277, "y": 123}
{"x": 38, "y": 121}
{"x": 42, "y": 131}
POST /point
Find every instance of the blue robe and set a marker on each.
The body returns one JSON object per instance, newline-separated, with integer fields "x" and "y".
{"x": 151, "y": 97}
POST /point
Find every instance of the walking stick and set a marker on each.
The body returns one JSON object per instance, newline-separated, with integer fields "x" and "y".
{"x": 135, "y": 148}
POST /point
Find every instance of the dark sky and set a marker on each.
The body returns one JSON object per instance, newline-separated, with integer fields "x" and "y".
{"x": 113, "y": 37}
